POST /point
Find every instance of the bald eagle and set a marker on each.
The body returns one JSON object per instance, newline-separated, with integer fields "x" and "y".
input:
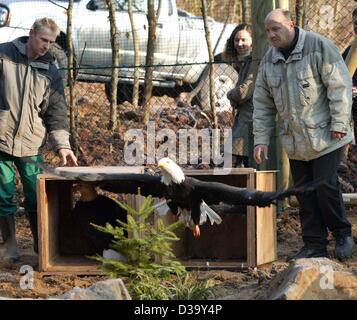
{"x": 183, "y": 194}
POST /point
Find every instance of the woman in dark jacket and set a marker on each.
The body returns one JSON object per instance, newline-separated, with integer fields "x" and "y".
{"x": 238, "y": 51}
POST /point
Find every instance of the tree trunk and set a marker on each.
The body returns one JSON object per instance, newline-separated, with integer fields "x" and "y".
{"x": 151, "y": 16}
{"x": 136, "y": 55}
{"x": 259, "y": 10}
{"x": 114, "y": 38}
{"x": 211, "y": 63}
{"x": 244, "y": 11}
{"x": 299, "y": 13}
{"x": 71, "y": 82}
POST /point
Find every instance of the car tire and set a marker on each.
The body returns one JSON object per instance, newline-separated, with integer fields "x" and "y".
{"x": 61, "y": 61}
{"x": 225, "y": 78}
{"x": 124, "y": 92}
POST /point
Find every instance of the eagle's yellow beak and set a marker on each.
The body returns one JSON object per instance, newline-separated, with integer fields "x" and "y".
{"x": 161, "y": 164}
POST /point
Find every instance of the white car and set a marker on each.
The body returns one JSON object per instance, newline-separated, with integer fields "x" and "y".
{"x": 181, "y": 51}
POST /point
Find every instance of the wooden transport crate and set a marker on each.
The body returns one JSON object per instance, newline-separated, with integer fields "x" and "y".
{"x": 246, "y": 238}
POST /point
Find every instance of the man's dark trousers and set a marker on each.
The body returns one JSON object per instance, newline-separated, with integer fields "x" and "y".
{"x": 324, "y": 208}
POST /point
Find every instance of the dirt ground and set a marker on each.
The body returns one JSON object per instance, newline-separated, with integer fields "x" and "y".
{"x": 229, "y": 284}
{"x": 98, "y": 146}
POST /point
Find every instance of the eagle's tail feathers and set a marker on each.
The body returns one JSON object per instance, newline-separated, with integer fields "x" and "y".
{"x": 206, "y": 211}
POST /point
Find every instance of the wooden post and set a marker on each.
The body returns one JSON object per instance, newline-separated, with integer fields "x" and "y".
{"x": 259, "y": 10}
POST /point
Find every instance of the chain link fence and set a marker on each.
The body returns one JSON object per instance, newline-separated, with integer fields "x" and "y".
{"x": 181, "y": 56}
{"x": 332, "y": 19}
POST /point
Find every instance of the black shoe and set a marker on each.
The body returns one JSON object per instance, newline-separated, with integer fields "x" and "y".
{"x": 309, "y": 252}
{"x": 344, "y": 246}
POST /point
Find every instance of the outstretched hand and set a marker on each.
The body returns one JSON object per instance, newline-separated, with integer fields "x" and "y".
{"x": 67, "y": 156}
{"x": 257, "y": 152}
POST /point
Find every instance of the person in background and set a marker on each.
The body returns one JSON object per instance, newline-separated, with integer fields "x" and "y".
{"x": 238, "y": 49}
{"x": 97, "y": 209}
{"x": 32, "y": 105}
{"x": 304, "y": 80}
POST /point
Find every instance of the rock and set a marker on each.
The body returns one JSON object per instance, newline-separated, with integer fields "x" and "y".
{"x": 313, "y": 279}
{"x": 183, "y": 119}
{"x": 172, "y": 117}
{"x": 113, "y": 289}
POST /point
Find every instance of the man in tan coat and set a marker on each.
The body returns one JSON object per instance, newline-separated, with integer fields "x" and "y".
{"x": 303, "y": 79}
{"x": 32, "y": 106}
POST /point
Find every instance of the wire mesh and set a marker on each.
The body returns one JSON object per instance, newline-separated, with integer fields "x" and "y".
{"x": 181, "y": 56}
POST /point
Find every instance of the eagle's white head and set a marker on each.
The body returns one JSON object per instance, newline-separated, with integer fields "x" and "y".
{"x": 171, "y": 172}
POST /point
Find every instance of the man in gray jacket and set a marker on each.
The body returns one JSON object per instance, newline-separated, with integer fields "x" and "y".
{"x": 32, "y": 104}
{"x": 303, "y": 79}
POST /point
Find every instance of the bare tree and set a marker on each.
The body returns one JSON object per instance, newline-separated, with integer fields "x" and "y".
{"x": 70, "y": 79}
{"x": 152, "y": 17}
{"x": 136, "y": 55}
{"x": 299, "y": 12}
{"x": 149, "y": 61}
{"x": 114, "y": 38}
{"x": 211, "y": 62}
{"x": 244, "y": 11}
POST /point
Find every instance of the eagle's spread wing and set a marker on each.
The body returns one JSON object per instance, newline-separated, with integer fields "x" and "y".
{"x": 215, "y": 192}
{"x": 126, "y": 183}
{"x": 129, "y": 184}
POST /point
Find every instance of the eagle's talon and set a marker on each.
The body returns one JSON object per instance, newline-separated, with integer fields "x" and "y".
{"x": 196, "y": 231}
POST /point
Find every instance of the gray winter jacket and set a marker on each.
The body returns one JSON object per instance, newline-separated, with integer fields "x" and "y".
{"x": 310, "y": 92}
{"x": 32, "y": 102}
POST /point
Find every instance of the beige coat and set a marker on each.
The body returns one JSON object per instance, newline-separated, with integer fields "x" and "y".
{"x": 310, "y": 92}
{"x": 32, "y": 102}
